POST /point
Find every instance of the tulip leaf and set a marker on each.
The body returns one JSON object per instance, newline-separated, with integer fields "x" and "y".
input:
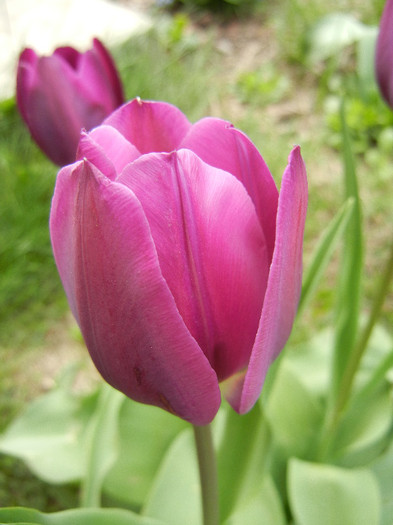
{"x": 50, "y": 435}
{"x": 329, "y": 495}
{"x": 102, "y": 444}
{"x": 145, "y": 433}
{"x": 175, "y": 495}
{"x": 263, "y": 507}
{"x": 242, "y": 455}
{"x": 293, "y": 412}
{"x": 24, "y": 516}
{"x": 323, "y": 251}
{"x": 349, "y": 288}
{"x": 383, "y": 468}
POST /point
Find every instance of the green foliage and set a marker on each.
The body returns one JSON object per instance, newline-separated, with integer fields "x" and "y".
{"x": 226, "y": 7}
{"x": 263, "y": 86}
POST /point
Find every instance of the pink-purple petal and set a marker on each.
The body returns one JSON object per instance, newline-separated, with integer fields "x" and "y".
{"x": 150, "y": 126}
{"x": 283, "y": 288}
{"x": 211, "y": 249}
{"x": 221, "y": 145}
{"x": 384, "y": 54}
{"x": 110, "y": 271}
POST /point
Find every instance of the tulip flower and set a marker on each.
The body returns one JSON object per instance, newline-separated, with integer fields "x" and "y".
{"x": 181, "y": 262}
{"x": 58, "y": 95}
{"x": 384, "y": 54}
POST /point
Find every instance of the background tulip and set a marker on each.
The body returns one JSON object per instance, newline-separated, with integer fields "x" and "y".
{"x": 384, "y": 54}
{"x": 181, "y": 263}
{"x": 60, "y": 94}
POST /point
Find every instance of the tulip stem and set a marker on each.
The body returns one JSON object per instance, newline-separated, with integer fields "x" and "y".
{"x": 207, "y": 473}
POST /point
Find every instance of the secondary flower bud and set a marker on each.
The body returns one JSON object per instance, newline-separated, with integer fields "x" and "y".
{"x": 58, "y": 95}
{"x": 181, "y": 263}
{"x": 384, "y": 54}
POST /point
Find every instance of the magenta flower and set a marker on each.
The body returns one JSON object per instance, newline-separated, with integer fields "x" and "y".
{"x": 60, "y": 94}
{"x": 181, "y": 263}
{"x": 384, "y": 54}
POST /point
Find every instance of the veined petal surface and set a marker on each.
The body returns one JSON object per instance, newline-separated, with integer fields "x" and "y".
{"x": 109, "y": 267}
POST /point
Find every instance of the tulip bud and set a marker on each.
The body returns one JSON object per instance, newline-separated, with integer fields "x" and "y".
{"x": 61, "y": 94}
{"x": 181, "y": 262}
{"x": 384, "y": 54}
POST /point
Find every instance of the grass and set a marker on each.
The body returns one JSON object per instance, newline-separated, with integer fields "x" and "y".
{"x": 181, "y": 65}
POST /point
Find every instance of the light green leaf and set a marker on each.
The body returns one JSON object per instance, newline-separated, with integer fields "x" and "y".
{"x": 242, "y": 455}
{"x": 383, "y": 468}
{"x": 323, "y": 252}
{"x": 293, "y": 412}
{"x": 264, "y": 507}
{"x": 145, "y": 433}
{"x": 22, "y": 516}
{"x": 175, "y": 495}
{"x": 102, "y": 444}
{"x": 328, "y": 495}
{"x": 50, "y": 435}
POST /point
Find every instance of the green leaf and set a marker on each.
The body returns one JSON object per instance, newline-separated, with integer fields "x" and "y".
{"x": 22, "y": 516}
{"x": 102, "y": 444}
{"x": 293, "y": 412}
{"x": 383, "y": 468}
{"x": 263, "y": 507}
{"x": 50, "y": 435}
{"x": 327, "y": 495}
{"x": 323, "y": 251}
{"x": 242, "y": 457}
{"x": 145, "y": 433}
{"x": 175, "y": 495}
{"x": 349, "y": 288}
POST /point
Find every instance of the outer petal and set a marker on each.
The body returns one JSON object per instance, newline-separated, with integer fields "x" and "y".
{"x": 219, "y": 144}
{"x": 150, "y": 126}
{"x": 110, "y": 271}
{"x": 105, "y": 144}
{"x": 27, "y": 63}
{"x": 211, "y": 250}
{"x": 384, "y": 54}
{"x": 283, "y": 289}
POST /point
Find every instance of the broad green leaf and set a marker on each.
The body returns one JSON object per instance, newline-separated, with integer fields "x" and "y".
{"x": 242, "y": 457}
{"x": 145, "y": 433}
{"x": 383, "y": 468}
{"x": 328, "y": 495}
{"x": 349, "y": 286}
{"x": 293, "y": 412}
{"x": 22, "y": 516}
{"x": 50, "y": 435}
{"x": 175, "y": 495}
{"x": 102, "y": 444}
{"x": 263, "y": 507}
{"x": 323, "y": 252}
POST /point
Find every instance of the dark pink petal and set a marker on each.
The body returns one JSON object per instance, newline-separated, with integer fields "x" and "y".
{"x": 110, "y": 271}
{"x": 69, "y": 55}
{"x": 25, "y": 73}
{"x": 283, "y": 288}
{"x": 219, "y": 144}
{"x": 211, "y": 250}
{"x": 110, "y": 72}
{"x": 104, "y": 144}
{"x": 384, "y": 54}
{"x": 150, "y": 126}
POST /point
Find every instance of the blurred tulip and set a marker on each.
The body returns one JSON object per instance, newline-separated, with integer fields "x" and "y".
{"x": 181, "y": 263}
{"x": 63, "y": 93}
{"x": 384, "y": 54}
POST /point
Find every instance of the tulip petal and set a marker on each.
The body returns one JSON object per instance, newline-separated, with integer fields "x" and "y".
{"x": 150, "y": 126}
{"x": 384, "y": 54}
{"x": 104, "y": 144}
{"x": 109, "y": 268}
{"x": 283, "y": 288}
{"x": 221, "y": 145}
{"x": 211, "y": 249}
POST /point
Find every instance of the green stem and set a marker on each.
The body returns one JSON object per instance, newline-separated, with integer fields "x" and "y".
{"x": 353, "y": 364}
{"x": 207, "y": 473}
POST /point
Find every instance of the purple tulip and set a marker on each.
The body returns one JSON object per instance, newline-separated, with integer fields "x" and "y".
{"x": 63, "y": 93}
{"x": 384, "y": 54}
{"x": 181, "y": 263}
